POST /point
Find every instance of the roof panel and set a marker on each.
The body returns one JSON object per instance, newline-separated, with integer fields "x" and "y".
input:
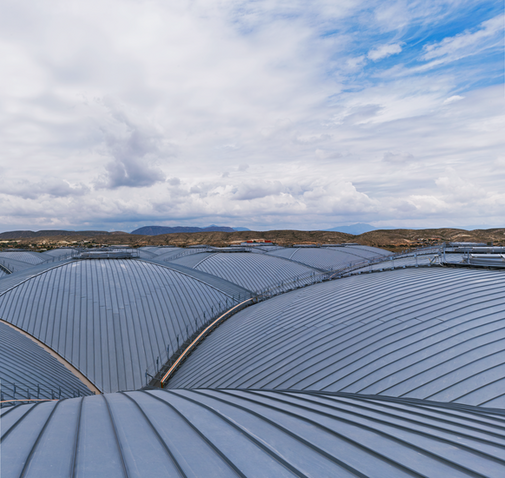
{"x": 422, "y": 333}
{"x": 34, "y": 372}
{"x": 251, "y": 271}
{"x": 111, "y": 319}
{"x": 229, "y": 433}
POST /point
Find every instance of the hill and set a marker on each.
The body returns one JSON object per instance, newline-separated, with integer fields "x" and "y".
{"x": 391, "y": 239}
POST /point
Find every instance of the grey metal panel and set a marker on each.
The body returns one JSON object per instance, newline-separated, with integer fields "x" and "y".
{"x": 28, "y": 257}
{"x": 422, "y": 333}
{"x": 223, "y": 285}
{"x": 111, "y": 319}
{"x": 143, "y": 254}
{"x": 13, "y": 265}
{"x": 3, "y": 273}
{"x": 63, "y": 252}
{"x": 320, "y": 257}
{"x": 252, "y": 271}
{"x": 28, "y": 366}
{"x": 159, "y": 250}
{"x": 229, "y": 433}
{"x": 366, "y": 252}
{"x": 31, "y": 271}
{"x": 182, "y": 252}
{"x": 191, "y": 260}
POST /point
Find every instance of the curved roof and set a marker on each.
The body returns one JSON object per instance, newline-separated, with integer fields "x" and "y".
{"x": 111, "y": 319}
{"x": 211, "y": 433}
{"x": 63, "y": 252}
{"x": 29, "y": 257}
{"x": 13, "y": 265}
{"x": 158, "y": 250}
{"x": 366, "y": 252}
{"x": 252, "y": 271}
{"x": 428, "y": 333}
{"x": 323, "y": 258}
{"x": 3, "y": 272}
{"x": 33, "y": 370}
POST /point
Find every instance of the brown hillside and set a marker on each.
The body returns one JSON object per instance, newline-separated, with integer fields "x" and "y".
{"x": 394, "y": 240}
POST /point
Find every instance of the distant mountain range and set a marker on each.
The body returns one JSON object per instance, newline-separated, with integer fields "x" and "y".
{"x": 355, "y": 229}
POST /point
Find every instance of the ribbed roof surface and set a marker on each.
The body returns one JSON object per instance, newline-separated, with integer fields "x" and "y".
{"x": 229, "y": 288}
{"x": 170, "y": 255}
{"x": 158, "y": 250}
{"x": 220, "y": 434}
{"x": 111, "y": 319}
{"x": 191, "y": 260}
{"x": 28, "y": 366}
{"x": 367, "y": 252}
{"x": 252, "y": 271}
{"x": 3, "y": 273}
{"x": 28, "y": 257}
{"x": 13, "y": 265}
{"x": 63, "y": 252}
{"x": 427, "y": 333}
{"x": 323, "y": 258}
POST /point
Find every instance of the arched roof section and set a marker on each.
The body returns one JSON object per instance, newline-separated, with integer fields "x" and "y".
{"x": 28, "y": 257}
{"x": 223, "y": 285}
{"x": 159, "y": 250}
{"x": 64, "y": 252}
{"x": 428, "y": 333}
{"x": 322, "y": 258}
{"x": 222, "y": 433}
{"x": 191, "y": 260}
{"x": 32, "y": 370}
{"x": 252, "y": 271}
{"x": 13, "y": 265}
{"x": 367, "y": 252}
{"x": 111, "y": 319}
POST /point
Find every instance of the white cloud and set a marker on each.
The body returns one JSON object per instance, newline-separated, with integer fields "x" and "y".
{"x": 467, "y": 43}
{"x": 397, "y": 157}
{"x": 452, "y": 99}
{"x": 272, "y": 112}
{"x": 384, "y": 51}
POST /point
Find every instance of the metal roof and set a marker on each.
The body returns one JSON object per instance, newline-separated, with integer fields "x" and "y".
{"x": 61, "y": 252}
{"x": 367, "y": 252}
{"x": 32, "y": 371}
{"x": 112, "y": 319}
{"x": 191, "y": 260}
{"x": 251, "y": 271}
{"x": 229, "y": 288}
{"x": 230, "y": 433}
{"x": 427, "y": 333}
{"x": 13, "y": 265}
{"x": 323, "y": 258}
{"x": 29, "y": 257}
{"x": 157, "y": 250}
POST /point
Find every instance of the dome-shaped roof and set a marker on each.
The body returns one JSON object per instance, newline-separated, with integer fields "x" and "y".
{"x": 427, "y": 333}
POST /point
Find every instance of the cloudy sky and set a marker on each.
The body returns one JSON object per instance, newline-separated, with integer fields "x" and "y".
{"x": 263, "y": 113}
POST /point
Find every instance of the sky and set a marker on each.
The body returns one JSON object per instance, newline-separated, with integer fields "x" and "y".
{"x": 266, "y": 114}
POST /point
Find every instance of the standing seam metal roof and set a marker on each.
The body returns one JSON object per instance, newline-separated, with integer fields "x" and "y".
{"x": 229, "y": 433}
{"x": 252, "y": 271}
{"x": 323, "y": 258}
{"x": 111, "y": 319}
{"x": 423, "y": 333}
{"x": 28, "y": 366}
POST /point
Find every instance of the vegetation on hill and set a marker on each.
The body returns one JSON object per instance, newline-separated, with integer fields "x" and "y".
{"x": 391, "y": 239}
